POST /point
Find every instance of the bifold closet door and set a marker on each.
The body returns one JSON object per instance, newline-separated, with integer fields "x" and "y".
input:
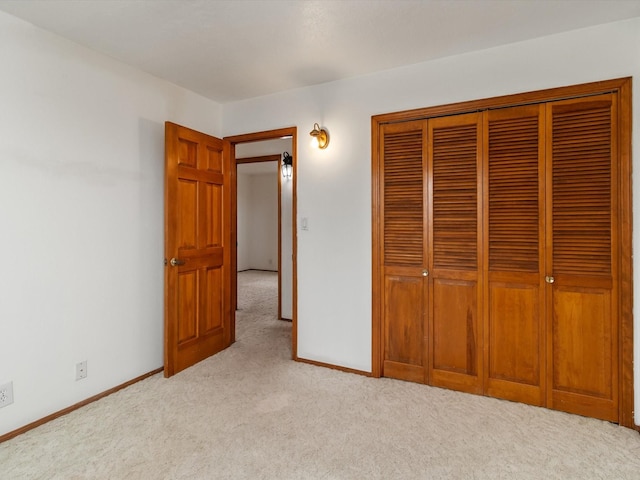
{"x": 582, "y": 262}
{"x": 502, "y": 248}
{"x": 431, "y": 205}
{"x": 514, "y": 340}
{"x": 404, "y": 247}
{"x": 455, "y": 265}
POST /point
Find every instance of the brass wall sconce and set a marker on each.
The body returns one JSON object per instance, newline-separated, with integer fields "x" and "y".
{"x": 319, "y": 137}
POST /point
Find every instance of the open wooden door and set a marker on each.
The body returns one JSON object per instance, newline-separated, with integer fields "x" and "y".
{"x": 198, "y": 314}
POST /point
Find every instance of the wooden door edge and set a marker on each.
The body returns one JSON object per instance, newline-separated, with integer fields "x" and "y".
{"x": 279, "y": 240}
{"x": 376, "y": 273}
{"x": 625, "y": 330}
{"x": 229, "y": 287}
{"x": 170, "y": 131}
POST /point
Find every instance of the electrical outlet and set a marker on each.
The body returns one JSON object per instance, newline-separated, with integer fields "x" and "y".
{"x": 6, "y": 394}
{"x": 81, "y": 370}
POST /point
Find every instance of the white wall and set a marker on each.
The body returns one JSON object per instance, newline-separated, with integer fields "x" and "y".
{"x": 334, "y": 185}
{"x": 258, "y": 219}
{"x": 243, "y": 189}
{"x": 81, "y": 218}
{"x": 264, "y": 221}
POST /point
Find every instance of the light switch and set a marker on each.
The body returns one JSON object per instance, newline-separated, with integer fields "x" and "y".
{"x": 305, "y": 223}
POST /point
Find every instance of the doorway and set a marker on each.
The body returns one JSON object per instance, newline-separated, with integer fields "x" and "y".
{"x": 265, "y": 147}
{"x": 264, "y": 199}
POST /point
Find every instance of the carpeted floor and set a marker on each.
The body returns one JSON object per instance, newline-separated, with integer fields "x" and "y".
{"x": 252, "y": 413}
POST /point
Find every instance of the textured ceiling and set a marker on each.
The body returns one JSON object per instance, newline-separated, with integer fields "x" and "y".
{"x": 230, "y": 50}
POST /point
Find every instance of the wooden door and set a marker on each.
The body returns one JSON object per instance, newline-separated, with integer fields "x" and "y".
{"x": 582, "y": 262}
{"x": 404, "y": 246}
{"x": 455, "y": 261}
{"x": 514, "y": 333}
{"x": 198, "y": 317}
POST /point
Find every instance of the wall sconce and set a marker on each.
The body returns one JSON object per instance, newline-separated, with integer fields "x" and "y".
{"x": 287, "y": 165}
{"x": 319, "y": 137}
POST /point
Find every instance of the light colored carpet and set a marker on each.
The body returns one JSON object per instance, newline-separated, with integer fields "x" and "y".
{"x": 252, "y": 413}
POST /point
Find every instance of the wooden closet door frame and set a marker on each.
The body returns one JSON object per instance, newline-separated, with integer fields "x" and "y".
{"x": 620, "y": 86}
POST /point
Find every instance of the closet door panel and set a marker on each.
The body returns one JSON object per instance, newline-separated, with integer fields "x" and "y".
{"x": 404, "y": 328}
{"x": 514, "y": 320}
{"x": 514, "y": 341}
{"x": 455, "y": 333}
{"x": 582, "y": 226}
{"x": 455, "y": 209}
{"x": 587, "y": 312}
{"x": 404, "y": 298}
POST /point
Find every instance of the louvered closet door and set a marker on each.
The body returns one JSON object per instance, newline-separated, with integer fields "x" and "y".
{"x": 455, "y": 208}
{"x": 402, "y": 148}
{"x": 514, "y": 319}
{"x": 581, "y": 224}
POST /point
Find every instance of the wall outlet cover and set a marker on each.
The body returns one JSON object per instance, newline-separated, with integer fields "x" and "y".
{"x": 6, "y": 394}
{"x": 81, "y": 370}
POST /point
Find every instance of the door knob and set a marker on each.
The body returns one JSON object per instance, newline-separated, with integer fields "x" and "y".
{"x": 549, "y": 279}
{"x": 425, "y": 272}
{"x": 175, "y": 262}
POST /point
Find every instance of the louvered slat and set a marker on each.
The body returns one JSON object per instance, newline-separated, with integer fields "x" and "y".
{"x": 582, "y": 189}
{"x": 513, "y": 194}
{"x": 403, "y": 198}
{"x": 455, "y": 207}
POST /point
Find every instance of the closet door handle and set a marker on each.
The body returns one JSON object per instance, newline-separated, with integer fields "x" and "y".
{"x": 549, "y": 279}
{"x": 425, "y": 272}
